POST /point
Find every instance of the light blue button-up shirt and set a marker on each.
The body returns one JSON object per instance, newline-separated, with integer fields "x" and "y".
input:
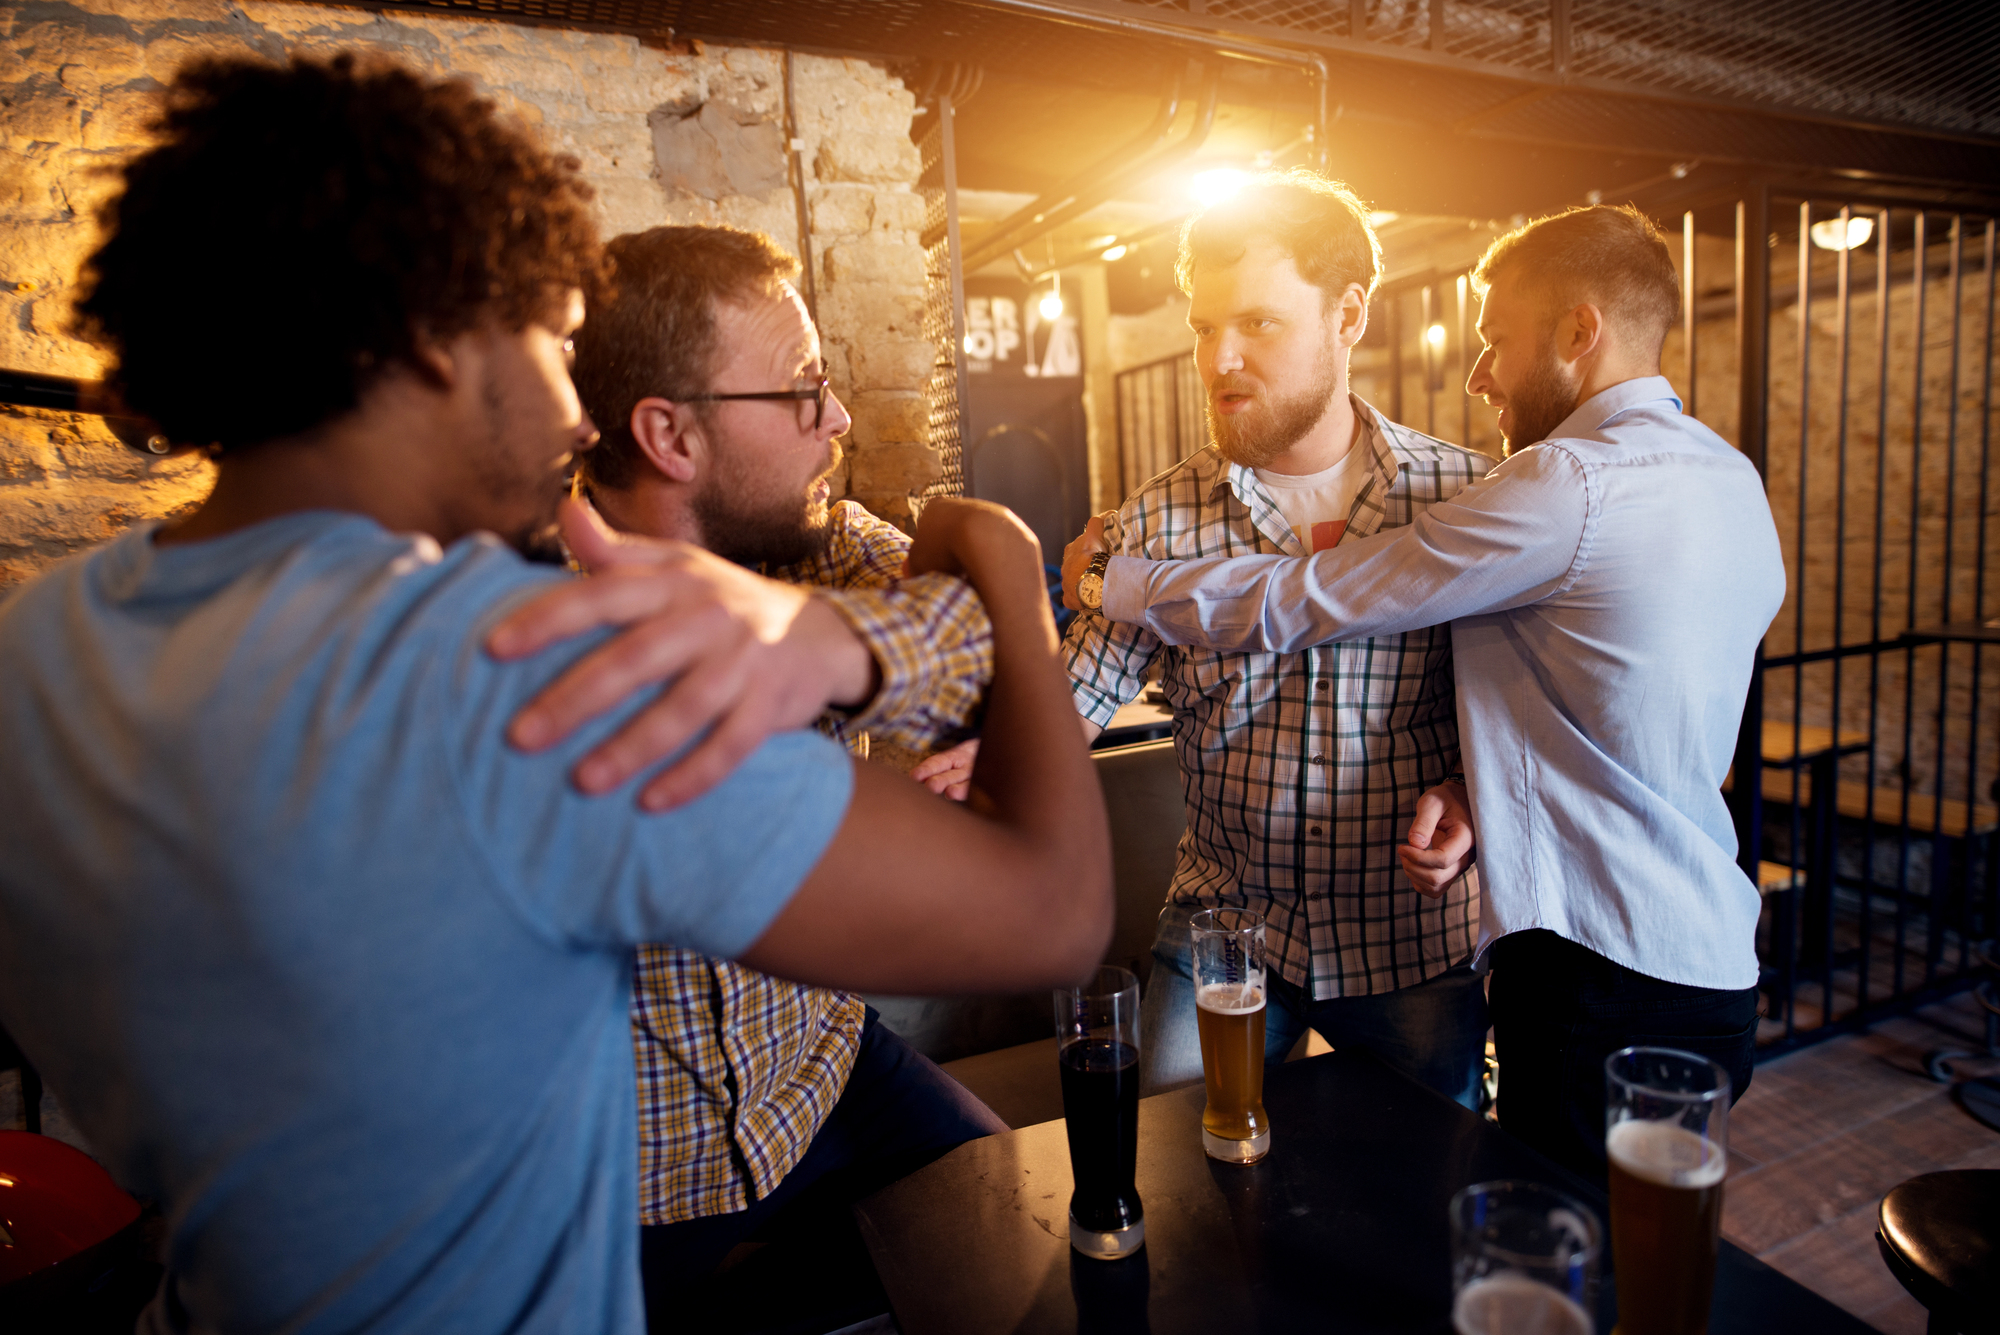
{"x": 1607, "y": 590}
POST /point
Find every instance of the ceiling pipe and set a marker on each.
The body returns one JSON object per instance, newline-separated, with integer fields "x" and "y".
{"x": 1145, "y": 141}
{"x": 1075, "y": 197}
{"x": 1309, "y": 63}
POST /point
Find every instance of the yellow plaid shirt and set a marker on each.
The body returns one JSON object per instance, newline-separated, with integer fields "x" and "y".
{"x": 737, "y": 1071}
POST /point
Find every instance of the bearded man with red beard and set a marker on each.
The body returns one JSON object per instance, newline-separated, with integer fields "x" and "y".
{"x": 1303, "y": 772}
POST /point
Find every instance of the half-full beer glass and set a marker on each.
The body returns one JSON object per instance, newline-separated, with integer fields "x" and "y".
{"x": 1097, "y": 1042}
{"x": 1523, "y": 1261}
{"x": 1666, "y": 1121}
{"x": 1229, "y": 1006}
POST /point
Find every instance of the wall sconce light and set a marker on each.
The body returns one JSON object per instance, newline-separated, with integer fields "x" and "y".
{"x": 1835, "y": 235}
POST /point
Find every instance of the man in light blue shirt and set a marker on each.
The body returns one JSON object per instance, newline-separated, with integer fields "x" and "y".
{"x": 311, "y": 955}
{"x": 1607, "y": 588}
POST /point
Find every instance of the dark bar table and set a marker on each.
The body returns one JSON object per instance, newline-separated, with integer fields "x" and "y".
{"x": 1340, "y": 1229}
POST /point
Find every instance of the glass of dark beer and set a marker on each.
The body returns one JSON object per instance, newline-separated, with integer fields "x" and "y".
{"x": 1666, "y": 1133}
{"x": 1229, "y": 1010}
{"x": 1523, "y": 1261}
{"x": 1097, "y": 1041}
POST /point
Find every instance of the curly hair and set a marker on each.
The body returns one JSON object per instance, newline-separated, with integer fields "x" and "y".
{"x": 299, "y": 228}
{"x": 655, "y": 333}
{"x": 1319, "y": 222}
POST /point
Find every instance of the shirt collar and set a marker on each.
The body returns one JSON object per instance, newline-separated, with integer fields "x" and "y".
{"x": 1590, "y": 416}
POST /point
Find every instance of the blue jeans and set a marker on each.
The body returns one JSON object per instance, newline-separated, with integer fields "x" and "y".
{"x": 1434, "y": 1032}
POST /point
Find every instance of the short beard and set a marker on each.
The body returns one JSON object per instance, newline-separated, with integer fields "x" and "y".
{"x": 742, "y": 524}
{"x": 1540, "y": 402}
{"x": 1289, "y": 418}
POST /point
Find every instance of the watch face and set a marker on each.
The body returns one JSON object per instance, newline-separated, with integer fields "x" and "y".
{"x": 1090, "y": 590}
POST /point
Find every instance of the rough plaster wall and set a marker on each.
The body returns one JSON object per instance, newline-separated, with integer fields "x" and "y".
{"x": 664, "y": 136}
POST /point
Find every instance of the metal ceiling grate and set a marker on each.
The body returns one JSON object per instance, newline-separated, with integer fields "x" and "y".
{"x": 1516, "y": 33}
{"x": 1934, "y": 65}
{"x": 1325, "y": 18}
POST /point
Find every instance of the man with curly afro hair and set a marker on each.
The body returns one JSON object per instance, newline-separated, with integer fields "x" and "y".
{"x": 318, "y": 913}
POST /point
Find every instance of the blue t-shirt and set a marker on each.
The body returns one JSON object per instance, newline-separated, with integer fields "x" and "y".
{"x": 318, "y": 961}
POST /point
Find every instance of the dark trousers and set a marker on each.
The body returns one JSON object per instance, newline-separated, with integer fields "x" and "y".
{"x": 1559, "y": 1010}
{"x": 897, "y": 1113}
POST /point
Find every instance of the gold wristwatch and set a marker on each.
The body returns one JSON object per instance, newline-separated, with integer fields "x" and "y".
{"x": 1090, "y": 585}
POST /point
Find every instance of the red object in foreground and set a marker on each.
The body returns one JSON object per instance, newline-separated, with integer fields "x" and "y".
{"x": 54, "y": 1202}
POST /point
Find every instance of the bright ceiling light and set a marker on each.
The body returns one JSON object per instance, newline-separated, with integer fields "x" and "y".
{"x": 1834, "y": 235}
{"x": 1052, "y": 307}
{"x": 1115, "y": 253}
{"x": 1382, "y": 217}
{"x": 1218, "y": 184}
{"x": 1436, "y": 335}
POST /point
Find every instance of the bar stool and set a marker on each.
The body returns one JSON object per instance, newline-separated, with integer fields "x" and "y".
{"x": 70, "y": 1245}
{"x": 1940, "y": 1237}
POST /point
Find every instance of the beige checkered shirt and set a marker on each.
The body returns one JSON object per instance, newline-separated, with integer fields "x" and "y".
{"x": 736, "y": 1070}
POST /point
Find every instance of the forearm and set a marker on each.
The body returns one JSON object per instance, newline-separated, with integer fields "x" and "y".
{"x": 933, "y": 644}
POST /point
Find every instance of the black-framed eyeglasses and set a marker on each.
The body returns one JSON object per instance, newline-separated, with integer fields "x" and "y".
{"x": 817, "y": 394}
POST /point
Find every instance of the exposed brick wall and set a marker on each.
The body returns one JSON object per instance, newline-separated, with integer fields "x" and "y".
{"x": 664, "y": 136}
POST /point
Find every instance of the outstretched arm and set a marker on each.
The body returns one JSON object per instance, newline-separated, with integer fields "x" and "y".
{"x": 1503, "y": 542}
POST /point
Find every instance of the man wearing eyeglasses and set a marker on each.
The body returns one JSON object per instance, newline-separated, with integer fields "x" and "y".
{"x": 765, "y": 1107}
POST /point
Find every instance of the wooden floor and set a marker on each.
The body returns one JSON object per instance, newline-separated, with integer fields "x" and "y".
{"x": 1822, "y": 1134}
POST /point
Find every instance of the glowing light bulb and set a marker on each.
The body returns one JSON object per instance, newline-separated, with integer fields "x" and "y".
{"x": 1436, "y": 335}
{"x": 1212, "y": 187}
{"x": 1115, "y": 253}
{"x": 1051, "y": 306}
{"x": 1829, "y": 235}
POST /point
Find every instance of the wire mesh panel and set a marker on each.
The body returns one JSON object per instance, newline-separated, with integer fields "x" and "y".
{"x": 1880, "y": 724}
{"x": 1161, "y": 419}
{"x": 944, "y": 300}
{"x": 1519, "y": 33}
{"x": 1936, "y": 65}
{"x": 1326, "y": 17}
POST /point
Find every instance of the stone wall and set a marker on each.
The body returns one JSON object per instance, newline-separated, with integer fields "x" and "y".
{"x": 680, "y": 135}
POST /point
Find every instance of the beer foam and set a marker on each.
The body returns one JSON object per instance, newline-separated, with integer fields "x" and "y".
{"x": 1666, "y": 1154}
{"x": 1513, "y": 1304}
{"x": 1230, "y": 998}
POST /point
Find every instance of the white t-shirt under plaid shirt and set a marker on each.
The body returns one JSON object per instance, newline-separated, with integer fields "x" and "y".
{"x": 1301, "y": 771}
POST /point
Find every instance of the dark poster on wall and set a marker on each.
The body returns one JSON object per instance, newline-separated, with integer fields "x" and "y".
{"x": 1026, "y": 442}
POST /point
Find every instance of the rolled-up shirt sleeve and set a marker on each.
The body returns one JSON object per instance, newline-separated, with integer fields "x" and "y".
{"x": 933, "y": 642}
{"x": 1517, "y": 536}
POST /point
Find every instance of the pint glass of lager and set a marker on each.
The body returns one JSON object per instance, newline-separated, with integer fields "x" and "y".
{"x": 1229, "y": 1005}
{"x": 1097, "y": 1046}
{"x": 1667, "y": 1136}
{"x": 1523, "y": 1261}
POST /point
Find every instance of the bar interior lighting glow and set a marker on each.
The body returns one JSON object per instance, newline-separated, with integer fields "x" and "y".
{"x": 1217, "y": 184}
{"x": 1436, "y": 335}
{"x": 1114, "y": 253}
{"x": 1829, "y": 235}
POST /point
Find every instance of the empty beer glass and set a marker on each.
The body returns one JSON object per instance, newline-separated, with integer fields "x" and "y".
{"x": 1097, "y": 1043}
{"x": 1229, "y": 1004}
{"x": 1666, "y": 1123}
{"x": 1523, "y": 1261}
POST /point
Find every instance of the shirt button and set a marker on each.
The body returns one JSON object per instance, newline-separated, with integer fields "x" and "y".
{"x": 1314, "y": 831}
{"x": 1320, "y": 686}
{"x": 1319, "y": 760}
